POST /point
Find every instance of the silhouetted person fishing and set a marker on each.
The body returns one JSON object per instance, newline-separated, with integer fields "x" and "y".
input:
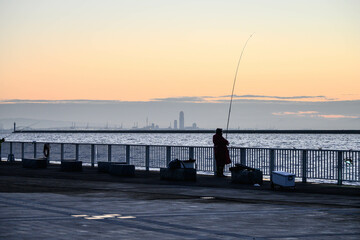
{"x": 221, "y": 152}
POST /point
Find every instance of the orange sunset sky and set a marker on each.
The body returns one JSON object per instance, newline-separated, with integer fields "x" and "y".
{"x": 146, "y": 49}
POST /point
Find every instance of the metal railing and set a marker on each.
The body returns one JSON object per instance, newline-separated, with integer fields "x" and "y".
{"x": 336, "y": 166}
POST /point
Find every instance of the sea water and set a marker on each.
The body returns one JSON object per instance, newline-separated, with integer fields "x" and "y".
{"x": 287, "y": 141}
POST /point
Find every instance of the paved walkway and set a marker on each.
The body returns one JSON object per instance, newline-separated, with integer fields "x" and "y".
{"x": 48, "y": 203}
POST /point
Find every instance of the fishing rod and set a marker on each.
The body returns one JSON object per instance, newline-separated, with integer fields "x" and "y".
{"x": 232, "y": 93}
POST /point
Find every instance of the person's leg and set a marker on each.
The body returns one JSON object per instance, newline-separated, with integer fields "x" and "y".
{"x": 220, "y": 171}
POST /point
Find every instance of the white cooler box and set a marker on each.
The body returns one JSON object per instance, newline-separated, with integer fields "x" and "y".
{"x": 283, "y": 179}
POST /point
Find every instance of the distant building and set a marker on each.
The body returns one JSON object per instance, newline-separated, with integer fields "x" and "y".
{"x": 175, "y": 124}
{"x": 181, "y": 120}
{"x": 194, "y": 126}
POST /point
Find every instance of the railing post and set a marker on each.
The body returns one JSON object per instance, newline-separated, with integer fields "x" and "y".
{"x": 340, "y": 167}
{"x": 271, "y": 162}
{"x": 109, "y": 153}
{"x": 11, "y": 148}
{"x": 147, "y": 158}
{"x": 243, "y": 156}
{"x": 92, "y": 155}
{"x": 77, "y": 152}
{"x": 22, "y": 150}
{"x": 214, "y": 163}
{"x": 49, "y": 157}
{"x": 168, "y": 154}
{"x": 34, "y": 149}
{"x": 191, "y": 152}
{"x": 127, "y": 154}
{"x": 304, "y": 166}
{"x": 62, "y": 152}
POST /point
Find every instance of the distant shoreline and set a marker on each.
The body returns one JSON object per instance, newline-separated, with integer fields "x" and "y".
{"x": 196, "y": 131}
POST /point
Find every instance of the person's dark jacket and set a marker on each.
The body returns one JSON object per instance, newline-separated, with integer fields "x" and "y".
{"x": 221, "y": 151}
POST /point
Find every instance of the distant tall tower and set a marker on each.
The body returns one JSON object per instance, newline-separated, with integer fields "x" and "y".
{"x": 175, "y": 124}
{"x": 181, "y": 120}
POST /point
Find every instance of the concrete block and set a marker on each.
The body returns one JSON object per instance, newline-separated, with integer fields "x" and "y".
{"x": 179, "y": 174}
{"x": 105, "y": 166}
{"x": 247, "y": 177}
{"x": 71, "y": 166}
{"x": 34, "y": 163}
{"x": 121, "y": 169}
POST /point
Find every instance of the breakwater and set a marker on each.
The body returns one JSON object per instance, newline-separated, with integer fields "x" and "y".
{"x": 192, "y": 131}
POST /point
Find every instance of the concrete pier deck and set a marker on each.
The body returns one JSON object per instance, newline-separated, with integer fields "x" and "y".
{"x": 48, "y": 203}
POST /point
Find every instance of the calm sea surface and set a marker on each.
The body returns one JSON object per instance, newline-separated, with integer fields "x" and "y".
{"x": 299, "y": 141}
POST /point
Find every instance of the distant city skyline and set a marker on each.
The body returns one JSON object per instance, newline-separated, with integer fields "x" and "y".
{"x": 246, "y": 114}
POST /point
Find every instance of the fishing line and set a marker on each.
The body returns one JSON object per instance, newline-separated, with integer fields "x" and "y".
{"x": 232, "y": 93}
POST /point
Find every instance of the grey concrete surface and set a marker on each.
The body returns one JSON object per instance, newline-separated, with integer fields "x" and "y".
{"x": 50, "y": 204}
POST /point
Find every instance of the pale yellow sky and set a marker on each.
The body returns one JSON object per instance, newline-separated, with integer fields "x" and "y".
{"x": 141, "y": 50}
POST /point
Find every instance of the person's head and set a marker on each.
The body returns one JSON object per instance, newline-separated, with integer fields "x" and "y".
{"x": 219, "y": 131}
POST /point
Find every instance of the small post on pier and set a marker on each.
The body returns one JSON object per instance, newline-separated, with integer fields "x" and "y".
{"x": 92, "y": 155}
{"x": 14, "y": 126}
{"x": 304, "y": 166}
{"x": 127, "y": 154}
{"x": 109, "y": 153}
{"x": 340, "y": 167}
{"x": 147, "y": 158}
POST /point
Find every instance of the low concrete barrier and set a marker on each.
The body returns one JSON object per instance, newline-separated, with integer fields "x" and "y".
{"x": 34, "y": 162}
{"x": 246, "y": 177}
{"x": 105, "y": 166}
{"x": 122, "y": 170}
{"x": 71, "y": 166}
{"x": 179, "y": 174}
